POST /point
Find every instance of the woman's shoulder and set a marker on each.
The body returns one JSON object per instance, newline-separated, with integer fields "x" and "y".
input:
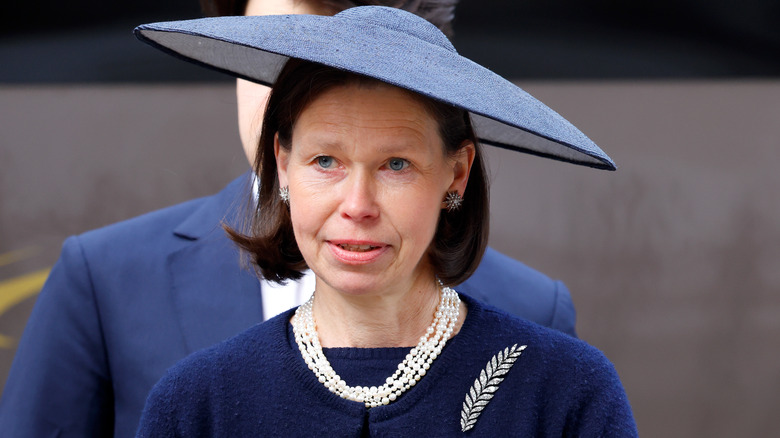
{"x": 548, "y": 368}
{"x": 262, "y": 343}
{"x": 204, "y": 386}
{"x": 544, "y": 350}
{"x": 489, "y": 317}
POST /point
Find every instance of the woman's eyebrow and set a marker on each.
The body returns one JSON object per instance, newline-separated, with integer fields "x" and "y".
{"x": 321, "y": 141}
{"x": 400, "y": 148}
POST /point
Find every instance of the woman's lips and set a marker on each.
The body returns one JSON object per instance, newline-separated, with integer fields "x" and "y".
{"x": 356, "y": 248}
{"x": 356, "y": 252}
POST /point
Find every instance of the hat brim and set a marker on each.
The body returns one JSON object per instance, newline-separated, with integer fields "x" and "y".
{"x": 392, "y": 46}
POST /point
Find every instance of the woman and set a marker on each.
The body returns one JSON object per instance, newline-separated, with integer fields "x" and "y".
{"x": 371, "y": 175}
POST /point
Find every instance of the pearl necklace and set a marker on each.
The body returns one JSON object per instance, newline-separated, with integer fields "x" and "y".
{"x": 409, "y": 372}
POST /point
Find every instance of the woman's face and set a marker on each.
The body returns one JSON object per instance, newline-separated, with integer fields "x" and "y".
{"x": 367, "y": 174}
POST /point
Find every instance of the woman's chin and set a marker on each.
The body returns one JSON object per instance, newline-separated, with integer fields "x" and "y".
{"x": 355, "y": 284}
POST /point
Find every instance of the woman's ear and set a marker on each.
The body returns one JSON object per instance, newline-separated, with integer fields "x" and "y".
{"x": 463, "y": 160}
{"x": 282, "y": 156}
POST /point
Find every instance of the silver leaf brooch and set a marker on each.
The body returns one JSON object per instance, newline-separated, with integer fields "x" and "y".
{"x": 486, "y": 385}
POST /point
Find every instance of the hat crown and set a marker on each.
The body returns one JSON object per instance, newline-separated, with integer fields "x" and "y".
{"x": 399, "y": 20}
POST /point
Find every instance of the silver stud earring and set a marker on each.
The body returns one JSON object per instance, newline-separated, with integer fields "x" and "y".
{"x": 453, "y": 201}
{"x": 284, "y": 193}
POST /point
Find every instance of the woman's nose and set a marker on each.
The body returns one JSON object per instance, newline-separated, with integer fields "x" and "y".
{"x": 359, "y": 201}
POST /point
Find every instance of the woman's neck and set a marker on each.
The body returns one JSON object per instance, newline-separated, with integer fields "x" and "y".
{"x": 392, "y": 319}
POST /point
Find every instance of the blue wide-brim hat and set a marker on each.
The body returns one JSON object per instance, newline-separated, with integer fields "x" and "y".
{"x": 390, "y": 45}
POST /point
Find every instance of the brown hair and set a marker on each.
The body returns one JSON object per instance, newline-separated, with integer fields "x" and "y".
{"x": 439, "y": 12}
{"x": 461, "y": 235}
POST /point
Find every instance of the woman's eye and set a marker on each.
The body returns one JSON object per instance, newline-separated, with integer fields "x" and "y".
{"x": 397, "y": 164}
{"x": 325, "y": 162}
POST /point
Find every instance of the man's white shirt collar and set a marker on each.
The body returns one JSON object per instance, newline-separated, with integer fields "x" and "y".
{"x": 277, "y": 298}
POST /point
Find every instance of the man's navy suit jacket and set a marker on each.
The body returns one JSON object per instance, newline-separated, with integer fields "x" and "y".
{"x": 125, "y": 302}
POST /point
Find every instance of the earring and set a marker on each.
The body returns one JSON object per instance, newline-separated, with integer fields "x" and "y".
{"x": 284, "y": 193}
{"x": 453, "y": 201}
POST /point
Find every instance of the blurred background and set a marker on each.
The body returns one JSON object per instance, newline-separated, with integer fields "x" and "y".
{"x": 673, "y": 261}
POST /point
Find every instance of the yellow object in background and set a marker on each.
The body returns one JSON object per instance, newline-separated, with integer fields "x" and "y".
{"x": 15, "y": 290}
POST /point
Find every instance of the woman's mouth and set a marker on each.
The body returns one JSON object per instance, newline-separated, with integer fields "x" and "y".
{"x": 357, "y": 253}
{"x": 357, "y": 248}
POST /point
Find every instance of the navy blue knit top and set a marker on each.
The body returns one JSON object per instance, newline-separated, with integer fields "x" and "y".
{"x": 257, "y": 384}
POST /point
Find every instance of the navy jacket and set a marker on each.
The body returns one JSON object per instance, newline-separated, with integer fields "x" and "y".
{"x": 125, "y": 302}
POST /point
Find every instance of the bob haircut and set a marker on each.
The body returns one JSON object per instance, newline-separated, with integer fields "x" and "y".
{"x": 461, "y": 236}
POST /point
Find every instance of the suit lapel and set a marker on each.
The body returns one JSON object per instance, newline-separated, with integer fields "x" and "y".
{"x": 214, "y": 297}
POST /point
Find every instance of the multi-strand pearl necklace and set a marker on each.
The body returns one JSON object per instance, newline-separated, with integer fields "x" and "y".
{"x": 409, "y": 372}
